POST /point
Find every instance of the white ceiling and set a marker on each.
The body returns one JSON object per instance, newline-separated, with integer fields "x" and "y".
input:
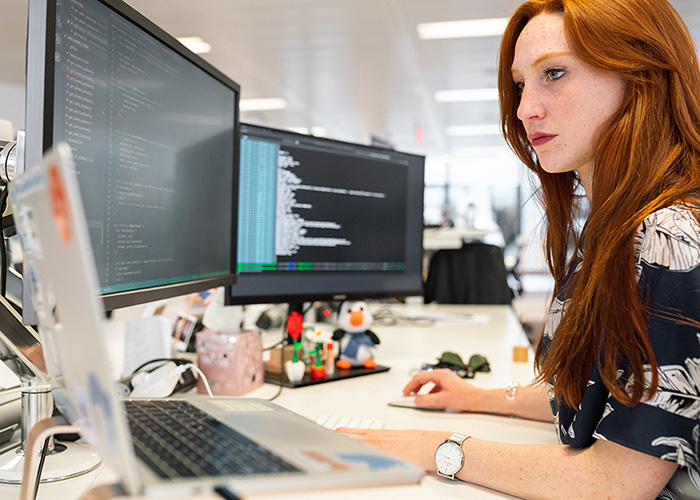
{"x": 354, "y": 67}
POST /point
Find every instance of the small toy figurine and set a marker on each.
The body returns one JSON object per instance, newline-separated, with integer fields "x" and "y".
{"x": 319, "y": 338}
{"x": 295, "y": 368}
{"x": 357, "y": 342}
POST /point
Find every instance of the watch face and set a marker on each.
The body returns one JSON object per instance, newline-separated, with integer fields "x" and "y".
{"x": 449, "y": 458}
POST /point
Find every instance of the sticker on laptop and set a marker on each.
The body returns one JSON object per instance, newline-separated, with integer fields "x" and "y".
{"x": 28, "y": 233}
{"x": 30, "y": 182}
{"x": 322, "y": 462}
{"x": 372, "y": 462}
{"x": 236, "y": 406}
{"x": 59, "y": 204}
{"x": 96, "y": 414}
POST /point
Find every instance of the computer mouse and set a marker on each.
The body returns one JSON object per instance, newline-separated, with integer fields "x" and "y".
{"x": 409, "y": 402}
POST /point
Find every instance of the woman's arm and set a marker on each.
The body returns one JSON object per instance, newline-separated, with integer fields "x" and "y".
{"x": 603, "y": 470}
{"x": 451, "y": 391}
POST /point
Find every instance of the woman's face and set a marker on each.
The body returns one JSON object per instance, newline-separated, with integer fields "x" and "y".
{"x": 564, "y": 101}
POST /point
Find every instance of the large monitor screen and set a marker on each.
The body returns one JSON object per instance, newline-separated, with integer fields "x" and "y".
{"x": 321, "y": 219}
{"x": 154, "y": 133}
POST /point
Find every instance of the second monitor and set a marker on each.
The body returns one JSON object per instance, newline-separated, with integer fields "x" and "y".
{"x": 325, "y": 220}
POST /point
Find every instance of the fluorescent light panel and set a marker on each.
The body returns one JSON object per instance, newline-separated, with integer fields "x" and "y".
{"x": 471, "y": 130}
{"x": 299, "y": 130}
{"x": 466, "y": 95}
{"x": 462, "y": 29}
{"x": 488, "y": 151}
{"x": 263, "y": 104}
{"x": 195, "y": 44}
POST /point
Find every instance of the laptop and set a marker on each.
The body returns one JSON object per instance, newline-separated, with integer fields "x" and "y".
{"x": 60, "y": 268}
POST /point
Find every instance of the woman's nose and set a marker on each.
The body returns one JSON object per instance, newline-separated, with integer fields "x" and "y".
{"x": 530, "y": 107}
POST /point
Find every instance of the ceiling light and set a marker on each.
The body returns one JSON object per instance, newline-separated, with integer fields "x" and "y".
{"x": 462, "y": 29}
{"x": 315, "y": 131}
{"x": 265, "y": 104}
{"x": 459, "y": 130}
{"x": 299, "y": 130}
{"x": 195, "y": 44}
{"x": 466, "y": 95}
{"x": 488, "y": 151}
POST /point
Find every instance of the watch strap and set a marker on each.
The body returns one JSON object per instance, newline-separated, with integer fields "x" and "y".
{"x": 458, "y": 438}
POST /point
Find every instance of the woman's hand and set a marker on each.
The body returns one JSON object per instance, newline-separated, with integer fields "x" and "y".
{"x": 449, "y": 391}
{"x": 415, "y": 446}
{"x": 452, "y": 391}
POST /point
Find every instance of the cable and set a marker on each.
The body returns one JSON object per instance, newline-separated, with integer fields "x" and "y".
{"x": 201, "y": 374}
{"x": 269, "y": 348}
{"x": 3, "y": 250}
{"x": 283, "y": 342}
{"x": 40, "y": 468}
{"x": 157, "y": 360}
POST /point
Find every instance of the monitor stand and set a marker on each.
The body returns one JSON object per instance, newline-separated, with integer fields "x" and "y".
{"x": 63, "y": 461}
{"x": 280, "y": 378}
{"x": 23, "y": 354}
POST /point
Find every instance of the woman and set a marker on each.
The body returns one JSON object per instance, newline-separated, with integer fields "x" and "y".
{"x": 602, "y": 95}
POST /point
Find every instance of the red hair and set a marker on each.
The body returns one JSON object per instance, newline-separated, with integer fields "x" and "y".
{"x": 647, "y": 158}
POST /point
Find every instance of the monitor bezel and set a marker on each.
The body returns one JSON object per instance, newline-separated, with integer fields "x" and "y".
{"x": 340, "y": 294}
{"x": 39, "y": 124}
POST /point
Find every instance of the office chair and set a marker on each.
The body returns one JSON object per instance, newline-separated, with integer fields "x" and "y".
{"x": 473, "y": 274}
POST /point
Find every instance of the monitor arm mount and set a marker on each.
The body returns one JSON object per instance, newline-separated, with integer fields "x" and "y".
{"x": 12, "y": 158}
{"x": 21, "y": 351}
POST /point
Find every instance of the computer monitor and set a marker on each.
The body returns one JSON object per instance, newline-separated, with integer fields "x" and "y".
{"x": 154, "y": 132}
{"x": 321, "y": 219}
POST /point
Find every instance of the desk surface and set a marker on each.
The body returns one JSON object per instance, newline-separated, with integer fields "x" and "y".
{"x": 488, "y": 330}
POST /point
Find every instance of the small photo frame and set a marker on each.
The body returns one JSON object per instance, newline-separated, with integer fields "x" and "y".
{"x": 182, "y": 331}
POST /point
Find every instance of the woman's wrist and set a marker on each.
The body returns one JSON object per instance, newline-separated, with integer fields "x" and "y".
{"x": 432, "y": 441}
{"x": 493, "y": 401}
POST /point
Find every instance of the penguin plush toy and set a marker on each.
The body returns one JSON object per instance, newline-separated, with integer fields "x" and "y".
{"x": 357, "y": 341}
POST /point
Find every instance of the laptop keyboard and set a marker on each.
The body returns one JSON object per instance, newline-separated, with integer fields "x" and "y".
{"x": 177, "y": 440}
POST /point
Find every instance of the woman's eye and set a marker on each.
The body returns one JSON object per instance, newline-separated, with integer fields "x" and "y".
{"x": 554, "y": 73}
{"x": 519, "y": 85}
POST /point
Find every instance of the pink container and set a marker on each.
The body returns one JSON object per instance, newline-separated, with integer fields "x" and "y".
{"x": 232, "y": 362}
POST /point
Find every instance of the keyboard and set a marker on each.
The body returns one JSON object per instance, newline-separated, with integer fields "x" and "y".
{"x": 334, "y": 421}
{"x": 176, "y": 439}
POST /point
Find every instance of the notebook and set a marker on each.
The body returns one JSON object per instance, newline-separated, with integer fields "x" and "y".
{"x": 60, "y": 268}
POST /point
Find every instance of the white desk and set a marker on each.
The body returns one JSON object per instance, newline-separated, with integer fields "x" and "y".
{"x": 405, "y": 347}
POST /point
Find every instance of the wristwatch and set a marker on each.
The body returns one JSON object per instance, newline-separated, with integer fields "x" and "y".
{"x": 449, "y": 457}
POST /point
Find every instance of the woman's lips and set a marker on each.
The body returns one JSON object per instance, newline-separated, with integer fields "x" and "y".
{"x": 541, "y": 139}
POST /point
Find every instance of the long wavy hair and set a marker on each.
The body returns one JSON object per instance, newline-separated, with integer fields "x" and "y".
{"x": 647, "y": 158}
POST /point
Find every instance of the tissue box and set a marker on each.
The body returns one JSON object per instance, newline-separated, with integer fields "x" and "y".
{"x": 232, "y": 362}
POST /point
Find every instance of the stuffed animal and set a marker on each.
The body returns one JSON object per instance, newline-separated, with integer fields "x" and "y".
{"x": 357, "y": 342}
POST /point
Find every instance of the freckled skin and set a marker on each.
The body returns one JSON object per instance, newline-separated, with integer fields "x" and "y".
{"x": 570, "y": 103}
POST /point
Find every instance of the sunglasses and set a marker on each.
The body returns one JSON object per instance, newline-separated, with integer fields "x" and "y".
{"x": 453, "y": 361}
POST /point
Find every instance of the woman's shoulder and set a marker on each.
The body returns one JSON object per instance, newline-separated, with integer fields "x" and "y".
{"x": 670, "y": 238}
